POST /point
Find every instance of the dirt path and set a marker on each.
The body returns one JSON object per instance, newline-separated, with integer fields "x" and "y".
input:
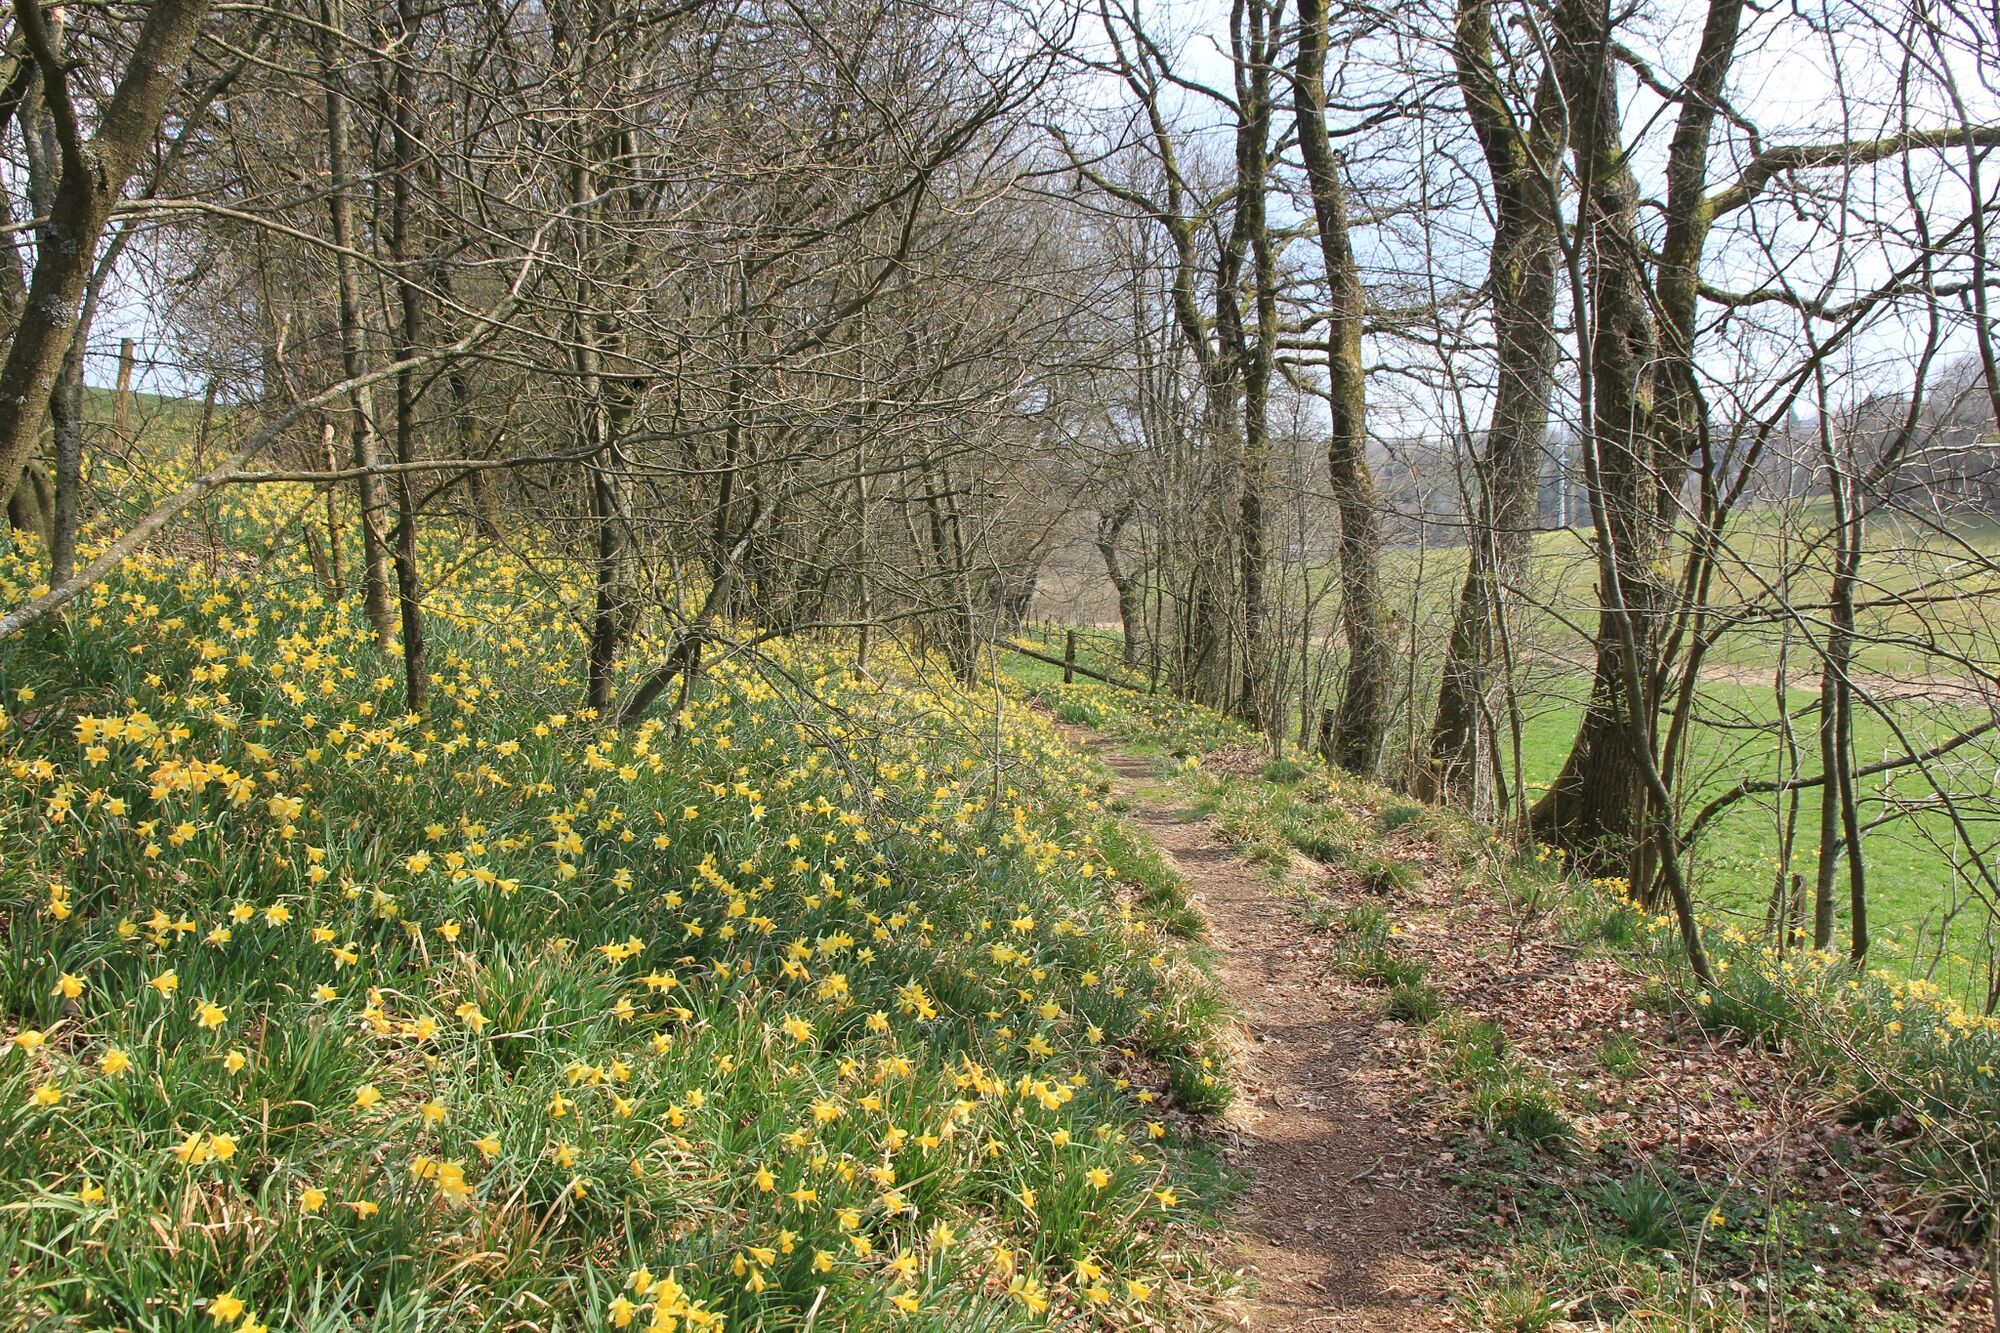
{"x": 1334, "y": 1221}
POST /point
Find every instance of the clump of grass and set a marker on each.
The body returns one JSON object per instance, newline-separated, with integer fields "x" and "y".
{"x": 1328, "y": 846}
{"x": 1619, "y": 1056}
{"x": 1525, "y": 1109}
{"x": 1198, "y": 1086}
{"x": 1414, "y": 1002}
{"x": 1514, "y": 1308}
{"x": 1284, "y": 771}
{"x": 1383, "y": 875}
{"x": 1383, "y": 965}
{"x": 1646, "y": 1211}
{"x": 1612, "y": 924}
{"x": 1158, "y": 889}
{"x": 1392, "y": 817}
{"x": 1757, "y": 1007}
{"x": 1470, "y": 1049}
{"x": 1366, "y": 923}
{"x": 1505, "y": 1095}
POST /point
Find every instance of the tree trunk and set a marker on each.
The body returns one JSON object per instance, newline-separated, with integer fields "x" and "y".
{"x": 1130, "y": 588}
{"x": 94, "y": 171}
{"x": 371, "y": 495}
{"x": 1361, "y": 718}
{"x": 1595, "y": 807}
{"x": 409, "y": 586}
{"x": 1639, "y": 458}
{"x": 1253, "y": 44}
{"x": 66, "y": 426}
{"x": 1521, "y": 285}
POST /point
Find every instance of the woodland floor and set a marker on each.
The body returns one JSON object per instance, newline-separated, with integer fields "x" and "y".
{"x": 1333, "y": 1226}
{"x": 1366, "y": 1207}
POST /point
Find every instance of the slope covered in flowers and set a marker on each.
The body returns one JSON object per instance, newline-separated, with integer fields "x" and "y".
{"x": 802, "y": 1007}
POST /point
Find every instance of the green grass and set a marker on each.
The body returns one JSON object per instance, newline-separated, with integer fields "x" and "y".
{"x": 1913, "y": 887}
{"x": 1917, "y": 886}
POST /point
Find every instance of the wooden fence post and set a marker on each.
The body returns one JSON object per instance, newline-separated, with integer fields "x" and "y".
{"x": 122, "y": 407}
{"x": 1069, "y": 658}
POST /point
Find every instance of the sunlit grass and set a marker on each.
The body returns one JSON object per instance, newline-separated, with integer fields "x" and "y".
{"x": 795, "y": 1007}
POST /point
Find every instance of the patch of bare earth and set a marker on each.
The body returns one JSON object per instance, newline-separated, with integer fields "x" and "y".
{"x": 1335, "y": 1227}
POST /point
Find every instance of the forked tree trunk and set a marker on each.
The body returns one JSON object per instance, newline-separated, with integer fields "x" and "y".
{"x": 1645, "y": 424}
{"x": 94, "y": 171}
{"x": 1596, "y": 806}
{"x": 1125, "y": 581}
{"x": 1521, "y": 285}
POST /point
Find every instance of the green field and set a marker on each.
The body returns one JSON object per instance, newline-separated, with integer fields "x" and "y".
{"x": 1930, "y": 596}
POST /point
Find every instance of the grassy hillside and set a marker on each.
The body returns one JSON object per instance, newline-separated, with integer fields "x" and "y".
{"x": 805, "y": 1007}
{"x": 1904, "y": 564}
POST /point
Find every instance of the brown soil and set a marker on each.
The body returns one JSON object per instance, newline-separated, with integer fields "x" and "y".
{"x": 1333, "y": 1226}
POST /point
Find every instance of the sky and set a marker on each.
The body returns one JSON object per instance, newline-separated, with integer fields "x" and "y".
{"x": 1796, "y": 61}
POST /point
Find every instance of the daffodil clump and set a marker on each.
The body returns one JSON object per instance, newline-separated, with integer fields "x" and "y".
{"x": 793, "y": 1008}
{"x": 1897, "y": 1051}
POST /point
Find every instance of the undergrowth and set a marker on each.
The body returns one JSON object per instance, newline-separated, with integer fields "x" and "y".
{"x": 799, "y": 1007}
{"x": 1596, "y": 1239}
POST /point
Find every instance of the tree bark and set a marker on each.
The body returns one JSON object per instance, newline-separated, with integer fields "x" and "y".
{"x": 1521, "y": 285}
{"x": 94, "y": 171}
{"x": 1595, "y": 807}
{"x": 370, "y": 493}
{"x": 1253, "y": 42}
{"x": 1129, "y": 586}
{"x": 1361, "y": 717}
{"x": 1646, "y": 423}
{"x": 402, "y": 221}
{"x": 66, "y": 428}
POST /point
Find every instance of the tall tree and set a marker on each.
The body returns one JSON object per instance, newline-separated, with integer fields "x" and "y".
{"x": 95, "y": 166}
{"x": 1361, "y": 717}
{"x": 1246, "y": 320}
{"x": 1521, "y": 150}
